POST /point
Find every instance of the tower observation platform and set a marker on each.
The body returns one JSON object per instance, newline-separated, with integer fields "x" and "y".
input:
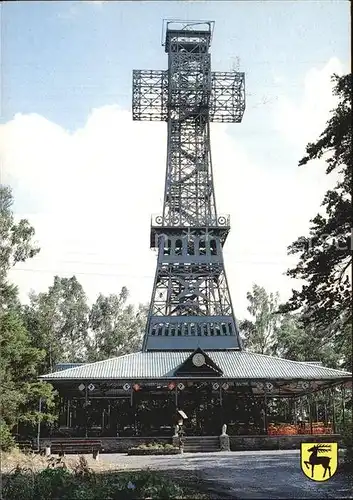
{"x": 191, "y": 305}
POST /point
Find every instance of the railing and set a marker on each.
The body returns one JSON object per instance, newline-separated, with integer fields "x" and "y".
{"x": 222, "y": 220}
{"x": 304, "y": 428}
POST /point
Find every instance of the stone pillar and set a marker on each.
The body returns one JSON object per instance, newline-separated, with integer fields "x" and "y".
{"x": 224, "y": 444}
{"x": 46, "y": 450}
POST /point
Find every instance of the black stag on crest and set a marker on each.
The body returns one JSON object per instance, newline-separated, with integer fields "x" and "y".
{"x": 314, "y": 459}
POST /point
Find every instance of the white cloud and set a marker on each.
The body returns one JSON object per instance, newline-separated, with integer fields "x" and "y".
{"x": 302, "y": 122}
{"x": 90, "y": 193}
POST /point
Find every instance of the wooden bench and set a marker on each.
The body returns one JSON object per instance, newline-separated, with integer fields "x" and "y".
{"x": 72, "y": 446}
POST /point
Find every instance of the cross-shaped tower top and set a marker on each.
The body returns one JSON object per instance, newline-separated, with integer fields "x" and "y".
{"x": 191, "y": 305}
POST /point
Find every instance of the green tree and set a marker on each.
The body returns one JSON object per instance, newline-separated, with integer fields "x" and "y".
{"x": 58, "y": 321}
{"x": 19, "y": 360}
{"x": 260, "y": 332}
{"x": 20, "y": 388}
{"x": 16, "y": 245}
{"x": 325, "y": 255}
{"x": 116, "y": 328}
{"x": 303, "y": 343}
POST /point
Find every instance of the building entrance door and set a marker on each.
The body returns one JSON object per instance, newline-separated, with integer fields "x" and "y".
{"x": 203, "y": 410}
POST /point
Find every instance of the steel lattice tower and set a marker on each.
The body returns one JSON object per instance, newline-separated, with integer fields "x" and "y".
{"x": 190, "y": 305}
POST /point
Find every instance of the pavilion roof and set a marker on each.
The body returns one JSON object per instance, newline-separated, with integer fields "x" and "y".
{"x": 162, "y": 365}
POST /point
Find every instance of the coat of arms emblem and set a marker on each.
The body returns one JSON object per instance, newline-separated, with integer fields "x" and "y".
{"x": 319, "y": 461}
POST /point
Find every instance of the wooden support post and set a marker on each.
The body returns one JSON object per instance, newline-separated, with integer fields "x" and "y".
{"x": 295, "y": 412}
{"x": 316, "y": 408}
{"x": 333, "y": 410}
{"x": 133, "y": 409}
{"x": 68, "y": 413}
{"x": 343, "y": 397}
{"x": 86, "y": 410}
{"x": 325, "y": 409}
{"x": 310, "y": 415}
{"x": 221, "y": 406}
{"x": 265, "y": 412}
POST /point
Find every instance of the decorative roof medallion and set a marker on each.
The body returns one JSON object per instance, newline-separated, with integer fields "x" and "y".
{"x": 198, "y": 359}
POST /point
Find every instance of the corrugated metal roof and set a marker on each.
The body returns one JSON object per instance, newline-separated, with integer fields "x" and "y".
{"x": 162, "y": 364}
{"x": 64, "y": 366}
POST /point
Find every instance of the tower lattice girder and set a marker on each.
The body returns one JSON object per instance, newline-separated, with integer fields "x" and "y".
{"x": 190, "y": 305}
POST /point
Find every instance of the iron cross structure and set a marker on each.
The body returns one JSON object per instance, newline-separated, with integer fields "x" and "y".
{"x": 191, "y": 305}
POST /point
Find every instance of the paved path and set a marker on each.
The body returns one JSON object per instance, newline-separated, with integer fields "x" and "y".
{"x": 244, "y": 475}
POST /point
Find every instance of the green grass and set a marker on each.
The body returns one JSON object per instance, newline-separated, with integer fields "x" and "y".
{"x": 81, "y": 482}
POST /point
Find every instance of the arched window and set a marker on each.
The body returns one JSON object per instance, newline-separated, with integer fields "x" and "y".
{"x": 167, "y": 246}
{"x": 191, "y": 247}
{"x": 179, "y": 247}
{"x": 202, "y": 247}
{"x": 213, "y": 247}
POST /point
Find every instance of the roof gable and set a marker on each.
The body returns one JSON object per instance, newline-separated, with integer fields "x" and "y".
{"x": 198, "y": 364}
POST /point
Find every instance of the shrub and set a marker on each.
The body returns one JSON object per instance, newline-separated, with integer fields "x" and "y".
{"x": 19, "y": 485}
{"x": 7, "y": 441}
{"x": 83, "y": 483}
{"x": 153, "y": 446}
{"x": 52, "y": 483}
{"x": 154, "y": 449}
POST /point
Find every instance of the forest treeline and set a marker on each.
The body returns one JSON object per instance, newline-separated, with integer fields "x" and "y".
{"x": 60, "y": 326}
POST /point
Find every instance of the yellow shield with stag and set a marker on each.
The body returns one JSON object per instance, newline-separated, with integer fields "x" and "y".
{"x": 319, "y": 461}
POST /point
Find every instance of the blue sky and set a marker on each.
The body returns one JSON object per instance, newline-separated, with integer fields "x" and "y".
{"x": 60, "y": 59}
{"x": 66, "y": 102}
